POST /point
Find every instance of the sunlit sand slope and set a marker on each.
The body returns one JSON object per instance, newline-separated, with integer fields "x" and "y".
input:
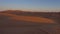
{"x": 29, "y": 18}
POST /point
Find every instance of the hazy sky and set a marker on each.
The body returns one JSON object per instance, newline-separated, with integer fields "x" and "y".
{"x": 35, "y": 5}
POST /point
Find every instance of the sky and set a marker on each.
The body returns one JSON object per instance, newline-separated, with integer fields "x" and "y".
{"x": 31, "y": 5}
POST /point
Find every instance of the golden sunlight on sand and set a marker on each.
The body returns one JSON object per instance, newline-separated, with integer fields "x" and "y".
{"x": 29, "y": 18}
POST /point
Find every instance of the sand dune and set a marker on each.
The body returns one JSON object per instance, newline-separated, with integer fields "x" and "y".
{"x": 29, "y": 18}
{"x": 12, "y": 23}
